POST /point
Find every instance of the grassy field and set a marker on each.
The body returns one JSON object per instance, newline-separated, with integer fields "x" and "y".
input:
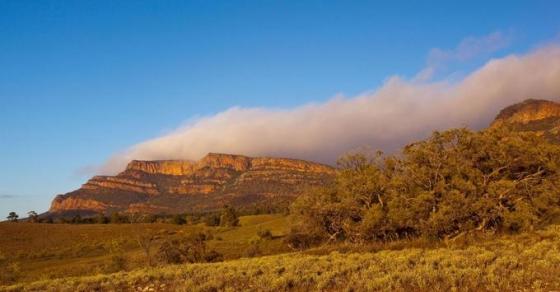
{"x": 62, "y": 257}
{"x": 50, "y": 251}
{"x": 528, "y": 262}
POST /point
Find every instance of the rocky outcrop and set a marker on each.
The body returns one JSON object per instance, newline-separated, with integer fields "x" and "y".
{"x": 174, "y": 186}
{"x": 75, "y": 203}
{"x": 528, "y": 111}
{"x": 539, "y": 116}
{"x": 167, "y": 167}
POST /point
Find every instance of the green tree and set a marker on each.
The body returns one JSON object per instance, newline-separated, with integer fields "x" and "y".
{"x": 178, "y": 219}
{"x": 229, "y": 217}
{"x": 454, "y": 182}
{"x": 77, "y": 219}
{"x": 13, "y": 217}
{"x": 190, "y": 249}
{"x": 101, "y": 219}
{"x": 33, "y": 217}
{"x": 117, "y": 218}
{"x": 211, "y": 220}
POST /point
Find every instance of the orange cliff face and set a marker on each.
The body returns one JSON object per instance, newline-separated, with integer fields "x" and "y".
{"x": 176, "y": 186}
{"x": 167, "y": 167}
{"x": 528, "y": 111}
{"x": 539, "y": 116}
{"x": 75, "y": 203}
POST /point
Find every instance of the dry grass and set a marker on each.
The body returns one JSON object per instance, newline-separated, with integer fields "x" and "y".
{"x": 524, "y": 262}
{"x": 50, "y": 251}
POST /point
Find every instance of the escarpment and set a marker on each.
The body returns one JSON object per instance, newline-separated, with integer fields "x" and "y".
{"x": 539, "y": 116}
{"x": 176, "y": 186}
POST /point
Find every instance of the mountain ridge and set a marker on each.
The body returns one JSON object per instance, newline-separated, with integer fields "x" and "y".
{"x": 176, "y": 186}
{"x": 532, "y": 115}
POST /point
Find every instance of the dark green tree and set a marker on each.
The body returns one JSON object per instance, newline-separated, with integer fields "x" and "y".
{"x": 13, "y": 217}
{"x": 178, "y": 219}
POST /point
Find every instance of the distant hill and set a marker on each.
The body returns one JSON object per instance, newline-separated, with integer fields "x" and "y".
{"x": 177, "y": 186}
{"x": 541, "y": 116}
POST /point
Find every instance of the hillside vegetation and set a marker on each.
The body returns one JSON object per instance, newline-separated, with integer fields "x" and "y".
{"x": 453, "y": 183}
{"x": 30, "y": 252}
{"x": 523, "y": 262}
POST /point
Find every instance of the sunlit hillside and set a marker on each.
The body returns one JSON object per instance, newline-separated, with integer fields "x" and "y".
{"x": 32, "y": 252}
{"x": 524, "y": 262}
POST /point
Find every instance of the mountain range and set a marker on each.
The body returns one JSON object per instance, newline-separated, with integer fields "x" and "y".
{"x": 178, "y": 186}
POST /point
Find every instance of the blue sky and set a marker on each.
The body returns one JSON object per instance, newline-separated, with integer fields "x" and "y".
{"x": 83, "y": 80}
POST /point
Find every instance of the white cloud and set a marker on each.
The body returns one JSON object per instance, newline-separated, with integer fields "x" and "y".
{"x": 468, "y": 49}
{"x": 387, "y": 118}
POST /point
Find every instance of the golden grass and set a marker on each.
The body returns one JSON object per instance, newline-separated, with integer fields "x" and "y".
{"x": 524, "y": 262}
{"x": 50, "y": 251}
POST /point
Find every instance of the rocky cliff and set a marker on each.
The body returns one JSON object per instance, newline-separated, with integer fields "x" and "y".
{"x": 540, "y": 116}
{"x": 174, "y": 186}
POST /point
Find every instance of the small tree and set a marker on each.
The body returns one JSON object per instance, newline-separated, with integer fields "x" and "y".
{"x": 229, "y": 217}
{"x": 77, "y": 219}
{"x": 33, "y": 217}
{"x": 178, "y": 219}
{"x": 191, "y": 249}
{"x": 101, "y": 219}
{"x": 116, "y": 218}
{"x": 146, "y": 241}
{"x": 264, "y": 234}
{"x": 13, "y": 217}
{"x": 211, "y": 220}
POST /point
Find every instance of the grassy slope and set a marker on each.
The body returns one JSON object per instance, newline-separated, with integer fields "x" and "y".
{"x": 49, "y": 251}
{"x": 523, "y": 262}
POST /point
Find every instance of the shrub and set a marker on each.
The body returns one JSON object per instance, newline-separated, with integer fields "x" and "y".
{"x": 299, "y": 241}
{"x": 229, "y": 217}
{"x": 264, "y": 234}
{"x": 117, "y": 263}
{"x": 454, "y": 182}
{"x": 9, "y": 271}
{"x": 178, "y": 219}
{"x": 101, "y": 219}
{"x": 252, "y": 251}
{"x": 211, "y": 220}
{"x": 191, "y": 249}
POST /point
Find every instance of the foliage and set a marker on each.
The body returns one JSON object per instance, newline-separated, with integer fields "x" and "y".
{"x": 101, "y": 219}
{"x": 117, "y": 263}
{"x": 9, "y": 270}
{"x": 229, "y": 217}
{"x": 190, "y": 249}
{"x": 252, "y": 251}
{"x": 33, "y": 217}
{"x": 49, "y": 251}
{"x": 117, "y": 218}
{"x": 264, "y": 234}
{"x": 527, "y": 262}
{"x": 212, "y": 220}
{"x": 179, "y": 219}
{"x": 454, "y": 182}
{"x": 299, "y": 240}
{"x": 12, "y": 217}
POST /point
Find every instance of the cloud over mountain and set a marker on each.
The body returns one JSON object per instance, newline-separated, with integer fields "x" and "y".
{"x": 396, "y": 113}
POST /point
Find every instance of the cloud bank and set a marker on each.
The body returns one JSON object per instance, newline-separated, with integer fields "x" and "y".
{"x": 387, "y": 118}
